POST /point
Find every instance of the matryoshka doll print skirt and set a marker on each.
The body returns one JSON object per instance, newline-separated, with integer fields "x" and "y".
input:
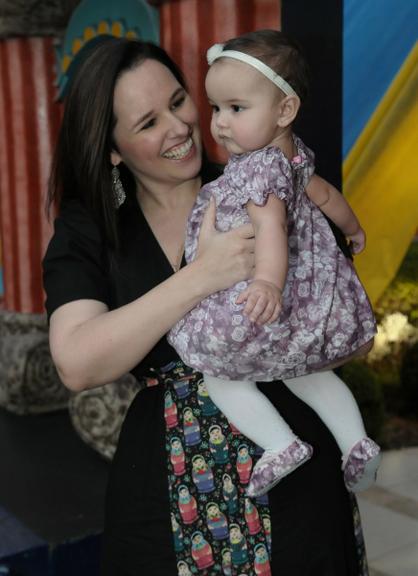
{"x": 216, "y": 529}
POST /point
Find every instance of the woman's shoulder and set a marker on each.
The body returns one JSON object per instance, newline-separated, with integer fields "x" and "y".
{"x": 74, "y": 217}
{"x": 76, "y": 236}
{"x": 75, "y": 262}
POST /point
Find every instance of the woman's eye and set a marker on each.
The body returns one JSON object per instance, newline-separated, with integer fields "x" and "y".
{"x": 178, "y": 102}
{"x": 149, "y": 124}
{"x": 237, "y": 108}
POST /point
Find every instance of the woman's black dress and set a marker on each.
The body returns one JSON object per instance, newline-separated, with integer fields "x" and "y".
{"x": 315, "y": 527}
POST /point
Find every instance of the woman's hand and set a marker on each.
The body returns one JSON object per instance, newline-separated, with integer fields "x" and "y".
{"x": 228, "y": 257}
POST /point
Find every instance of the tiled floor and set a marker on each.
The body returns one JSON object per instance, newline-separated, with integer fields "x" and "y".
{"x": 389, "y": 512}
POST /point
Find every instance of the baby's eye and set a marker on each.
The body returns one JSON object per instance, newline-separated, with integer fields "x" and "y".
{"x": 214, "y": 108}
{"x": 237, "y": 108}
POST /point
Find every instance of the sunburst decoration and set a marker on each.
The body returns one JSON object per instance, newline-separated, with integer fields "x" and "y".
{"x": 126, "y": 19}
{"x": 104, "y": 27}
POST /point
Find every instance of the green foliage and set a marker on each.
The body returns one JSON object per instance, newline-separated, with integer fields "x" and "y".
{"x": 387, "y": 375}
{"x": 367, "y": 390}
{"x": 402, "y": 294}
{"x": 396, "y": 374}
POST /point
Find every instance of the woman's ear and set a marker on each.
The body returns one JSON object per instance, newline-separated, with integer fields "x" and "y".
{"x": 115, "y": 158}
{"x": 288, "y": 109}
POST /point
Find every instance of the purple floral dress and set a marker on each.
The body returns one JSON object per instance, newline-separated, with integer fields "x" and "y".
{"x": 326, "y": 314}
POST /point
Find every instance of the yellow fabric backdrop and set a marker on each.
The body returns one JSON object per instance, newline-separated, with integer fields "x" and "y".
{"x": 380, "y": 180}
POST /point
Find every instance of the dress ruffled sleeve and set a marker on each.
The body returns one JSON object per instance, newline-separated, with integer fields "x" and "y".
{"x": 263, "y": 172}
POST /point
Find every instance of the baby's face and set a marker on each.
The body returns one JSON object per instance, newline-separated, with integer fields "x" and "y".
{"x": 245, "y": 106}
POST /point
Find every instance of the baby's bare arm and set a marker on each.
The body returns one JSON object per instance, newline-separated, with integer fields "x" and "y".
{"x": 263, "y": 295}
{"x": 334, "y": 205}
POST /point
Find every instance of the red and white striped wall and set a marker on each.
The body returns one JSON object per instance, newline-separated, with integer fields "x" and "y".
{"x": 29, "y": 120}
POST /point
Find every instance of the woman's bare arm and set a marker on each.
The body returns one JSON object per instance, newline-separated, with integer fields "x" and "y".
{"x": 91, "y": 345}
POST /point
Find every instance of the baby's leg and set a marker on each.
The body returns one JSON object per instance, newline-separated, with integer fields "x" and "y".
{"x": 335, "y": 405}
{"x": 251, "y": 412}
{"x": 256, "y": 417}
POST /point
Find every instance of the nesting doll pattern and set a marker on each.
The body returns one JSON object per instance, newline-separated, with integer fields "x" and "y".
{"x": 217, "y": 530}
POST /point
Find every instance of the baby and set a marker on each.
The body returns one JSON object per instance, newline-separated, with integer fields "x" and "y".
{"x": 305, "y": 309}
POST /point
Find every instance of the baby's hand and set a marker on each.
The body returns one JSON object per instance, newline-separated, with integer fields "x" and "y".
{"x": 357, "y": 241}
{"x": 263, "y": 301}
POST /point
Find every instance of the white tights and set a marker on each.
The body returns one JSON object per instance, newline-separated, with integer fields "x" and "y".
{"x": 255, "y": 416}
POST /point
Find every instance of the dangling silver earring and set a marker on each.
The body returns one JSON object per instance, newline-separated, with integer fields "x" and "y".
{"x": 119, "y": 194}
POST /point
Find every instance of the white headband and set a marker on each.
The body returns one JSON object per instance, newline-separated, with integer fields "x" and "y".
{"x": 216, "y": 51}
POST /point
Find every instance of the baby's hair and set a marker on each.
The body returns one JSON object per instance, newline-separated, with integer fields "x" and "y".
{"x": 279, "y": 52}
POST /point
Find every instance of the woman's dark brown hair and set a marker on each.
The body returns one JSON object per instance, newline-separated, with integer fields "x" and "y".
{"x": 81, "y": 165}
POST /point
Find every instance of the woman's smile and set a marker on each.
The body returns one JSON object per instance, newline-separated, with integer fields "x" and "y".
{"x": 180, "y": 151}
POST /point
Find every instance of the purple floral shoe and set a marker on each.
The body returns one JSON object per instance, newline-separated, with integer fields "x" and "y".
{"x": 273, "y": 466}
{"x": 361, "y": 464}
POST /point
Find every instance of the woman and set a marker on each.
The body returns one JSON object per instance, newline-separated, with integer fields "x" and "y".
{"x": 116, "y": 282}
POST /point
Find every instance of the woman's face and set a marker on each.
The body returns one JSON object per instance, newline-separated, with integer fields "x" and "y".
{"x": 157, "y": 132}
